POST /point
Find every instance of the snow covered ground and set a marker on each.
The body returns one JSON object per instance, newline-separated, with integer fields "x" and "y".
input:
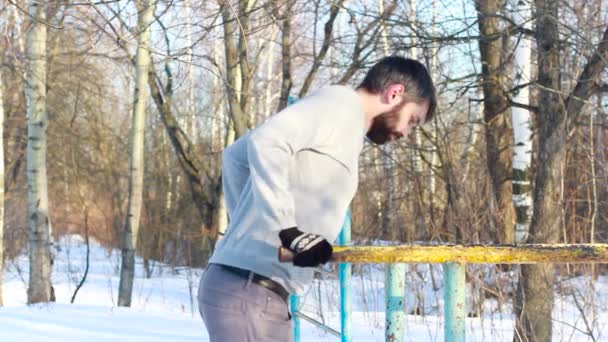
{"x": 164, "y": 305}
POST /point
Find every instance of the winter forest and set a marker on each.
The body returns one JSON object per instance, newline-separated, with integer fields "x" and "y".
{"x": 114, "y": 115}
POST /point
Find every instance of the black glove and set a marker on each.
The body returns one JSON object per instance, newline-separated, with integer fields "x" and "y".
{"x": 310, "y": 250}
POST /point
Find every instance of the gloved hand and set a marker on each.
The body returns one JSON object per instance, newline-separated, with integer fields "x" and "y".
{"x": 310, "y": 250}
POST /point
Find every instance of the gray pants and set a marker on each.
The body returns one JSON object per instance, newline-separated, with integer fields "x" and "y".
{"x": 236, "y": 310}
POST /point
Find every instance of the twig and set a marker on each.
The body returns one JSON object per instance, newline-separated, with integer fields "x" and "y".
{"x": 88, "y": 3}
{"x": 86, "y": 239}
{"x": 582, "y": 311}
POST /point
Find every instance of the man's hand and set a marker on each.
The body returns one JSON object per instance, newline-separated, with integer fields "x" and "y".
{"x": 311, "y": 250}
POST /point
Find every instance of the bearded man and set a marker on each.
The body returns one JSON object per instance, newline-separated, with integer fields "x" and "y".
{"x": 288, "y": 183}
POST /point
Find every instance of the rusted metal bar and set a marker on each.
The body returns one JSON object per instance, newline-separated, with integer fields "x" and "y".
{"x": 474, "y": 254}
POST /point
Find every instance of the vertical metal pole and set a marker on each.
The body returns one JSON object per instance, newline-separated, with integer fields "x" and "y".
{"x": 345, "y": 283}
{"x": 294, "y": 300}
{"x": 455, "y": 307}
{"x": 295, "y": 306}
{"x": 395, "y": 303}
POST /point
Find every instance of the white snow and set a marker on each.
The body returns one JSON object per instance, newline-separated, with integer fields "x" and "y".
{"x": 164, "y": 306}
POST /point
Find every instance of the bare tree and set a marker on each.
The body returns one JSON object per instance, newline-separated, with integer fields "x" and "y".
{"x": 145, "y": 9}
{"x": 40, "y": 239}
{"x": 556, "y": 117}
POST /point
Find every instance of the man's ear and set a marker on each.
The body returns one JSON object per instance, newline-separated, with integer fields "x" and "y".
{"x": 395, "y": 90}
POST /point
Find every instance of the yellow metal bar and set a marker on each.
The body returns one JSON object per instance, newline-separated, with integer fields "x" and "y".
{"x": 473, "y": 254}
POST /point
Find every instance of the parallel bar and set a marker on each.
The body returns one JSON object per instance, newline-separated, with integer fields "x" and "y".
{"x": 395, "y": 303}
{"x": 474, "y": 254}
{"x": 345, "y": 283}
{"x": 295, "y": 308}
{"x": 455, "y": 306}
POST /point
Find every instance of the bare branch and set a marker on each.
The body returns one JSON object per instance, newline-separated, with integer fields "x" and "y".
{"x": 33, "y": 17}
{"x": 587, "y": 79}
{"x": 329, "y": 25}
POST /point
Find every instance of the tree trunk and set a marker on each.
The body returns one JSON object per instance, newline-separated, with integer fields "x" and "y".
{"x": 40, "y": 288}
{"x": 136, "y": 170}
{"x": 388, "y": 214}
{"x": 233, "y": 71}
{"x": 435, "y": 77}
{"x": 269, "y": 75}
{"x": 1, "y": 183}
{"x": 521, "y": 129}
{"x": 192, "y": 165}
{"x": 286, "y": 81}
{"x": 222, "y": 212}
{"x": 191, "y": 124}
{"x": 499, "y": 135}
{"x": 225, "y": 137}
{"x": 534, "y": 302}
{"x": 416, "y": 230}
{"x": 240, "y": 74}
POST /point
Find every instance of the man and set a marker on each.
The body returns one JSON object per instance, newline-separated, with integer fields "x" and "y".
{"x": 288, "y": 183}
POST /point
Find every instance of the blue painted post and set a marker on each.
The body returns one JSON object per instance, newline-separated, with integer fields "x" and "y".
{"x": 455, "y": 285}
{"x": 295, "y": 306}
{"x": 395, "y": 303}
{"x": 294, "y": 300}
{"x": 345, "y": 283}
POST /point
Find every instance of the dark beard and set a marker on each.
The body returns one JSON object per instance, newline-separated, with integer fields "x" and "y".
{"x": 382, "y": 128}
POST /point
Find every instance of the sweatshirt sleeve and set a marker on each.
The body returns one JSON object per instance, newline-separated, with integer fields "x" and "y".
{"x": 307, "y": 124}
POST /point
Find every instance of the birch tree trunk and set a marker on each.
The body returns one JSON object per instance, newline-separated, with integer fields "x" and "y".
{"x": 222, "y": 211}
{"x": 220, "y": 125}
{"x": 218, "y": 99}
{"x": 521, "y": 129}
{"x": 40, "y": 288}
{"x": 269, "y": 74}
{"x": 136, "y": 171}
{"x": 228, "y": 137}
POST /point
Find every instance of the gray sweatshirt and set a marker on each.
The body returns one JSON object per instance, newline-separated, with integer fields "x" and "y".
{"x": 298, "y": 169}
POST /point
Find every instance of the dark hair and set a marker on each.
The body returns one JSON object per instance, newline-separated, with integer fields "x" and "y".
{"x": 398, "y": 70}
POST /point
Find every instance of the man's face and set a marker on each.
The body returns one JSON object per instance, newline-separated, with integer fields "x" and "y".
{"x": 398, "y": 122}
